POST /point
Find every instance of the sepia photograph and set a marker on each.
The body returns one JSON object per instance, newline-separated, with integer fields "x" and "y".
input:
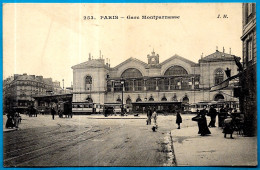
{"x": 129, "y": 85}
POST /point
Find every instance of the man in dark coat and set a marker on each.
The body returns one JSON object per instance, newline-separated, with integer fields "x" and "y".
{"x": 178, "y": 119}
{"x": 53, "y": 112}
{"x": 213, "y": 115}
{"x": 149, "y": 116}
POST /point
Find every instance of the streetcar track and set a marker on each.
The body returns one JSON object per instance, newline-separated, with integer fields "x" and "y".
{"x": 50, "y": 142}
{"x": 31, "y": 141}
{"x": 65, "y": 144}
{"x": 29, "y": 136}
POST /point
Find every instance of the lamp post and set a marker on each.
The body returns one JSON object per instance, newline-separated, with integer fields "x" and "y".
{"x": 122, "y": 104}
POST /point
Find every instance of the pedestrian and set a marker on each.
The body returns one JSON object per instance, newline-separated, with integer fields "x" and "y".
{"x": 202, "y": 123}
{"x": 222, "y": 116}
{"x": 154, "y": 117}
{"x": 16, "y": 119}
{"x": 228, "y": 126}
{"x": 9, "y": 122}
{"x": 53, "y": 112}
{"x": 178, "y": 119}
{"x": 213, "y": 115}
{"x": 149, "y": 116}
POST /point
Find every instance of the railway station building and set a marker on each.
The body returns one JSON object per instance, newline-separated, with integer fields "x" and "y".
{"x": 176, "y": 79}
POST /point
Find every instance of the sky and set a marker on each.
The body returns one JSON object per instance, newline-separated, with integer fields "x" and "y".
{"x": 48, "y": 39}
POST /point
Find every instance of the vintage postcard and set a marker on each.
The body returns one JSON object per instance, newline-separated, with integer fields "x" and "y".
{"x": 129, "y": 84}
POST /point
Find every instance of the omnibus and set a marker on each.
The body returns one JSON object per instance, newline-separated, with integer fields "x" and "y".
{"x": 83, "y": 108}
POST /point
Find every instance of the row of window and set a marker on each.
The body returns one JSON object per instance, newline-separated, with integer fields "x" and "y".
{"x": 174, "y": 98}
{"x": 154, "y": 84}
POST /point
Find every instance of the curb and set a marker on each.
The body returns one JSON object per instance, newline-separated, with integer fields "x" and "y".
{"x": 9, "y": 130}
{"x": 174, "y": 161}
{"x": 115, "y": 118}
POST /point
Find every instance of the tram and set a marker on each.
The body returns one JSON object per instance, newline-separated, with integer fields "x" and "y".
{"x": 83, "y": 108}
{"x": 195, "y": 107}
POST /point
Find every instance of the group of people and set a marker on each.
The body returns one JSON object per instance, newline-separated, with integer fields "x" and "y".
{"x": 203, "y": 127}
{"x": 226, "y": 121}
{"x": 152, "y": 118}
{"x": 13, "y": 119}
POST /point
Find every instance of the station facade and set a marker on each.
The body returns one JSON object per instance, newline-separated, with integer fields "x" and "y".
{"x": 175, "y": 79}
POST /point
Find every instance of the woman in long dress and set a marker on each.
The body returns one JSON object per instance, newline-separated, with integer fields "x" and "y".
{"x": 202, "y": 123}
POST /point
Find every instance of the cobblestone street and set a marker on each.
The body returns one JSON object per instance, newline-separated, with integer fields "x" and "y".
{"x": 121, "y": 141}
{"x": 87, "y": 141}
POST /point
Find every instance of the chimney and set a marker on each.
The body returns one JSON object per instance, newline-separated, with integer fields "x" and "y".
{"x": 216, "y": 48}
{"x": 230, "y": 51}
{"x": 89, "y": 57}
{"x": 99, "y": 54}
{"x": 201, "y": 55}
{"x": 223, "y": 50}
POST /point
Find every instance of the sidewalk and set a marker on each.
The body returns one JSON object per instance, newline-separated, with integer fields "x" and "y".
{"x": 118, "y": 116}
{"x": 191, "y": 149}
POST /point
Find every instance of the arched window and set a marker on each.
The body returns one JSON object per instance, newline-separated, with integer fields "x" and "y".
{"x": 88, "y": 99}
{"x": 164, "y": 99}
{"x": 118, "y": 100}
{"x": 218, "y": 97}
{"x": 175, "y": 70}
{"x": 131, "y": 73}
{"x": 151, "y": 99}
{"x": 174, "y": 98}
{"x": 138, "y": 99}
{"x": 88, "y": 83}
{"x": 185, "y": 100}
{"x": 219, "y": 76}
{"x": 128, "y": 101}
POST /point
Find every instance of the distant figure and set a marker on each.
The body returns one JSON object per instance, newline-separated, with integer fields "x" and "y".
{"x": 16, "y": 119}
{"x": 178, "y": 119}
{"x": 9, "y": 122}
{"x": 222, "y": 116}
{"x": 228, "y": 126}
{"x": 213, "y": 115}
{"x": 154, "y": 117}
{"x": 53, "y": 112}
{"x": 149, "y": 116}
{"x": 106, "y": 112}
{"x": 202, "y": 123}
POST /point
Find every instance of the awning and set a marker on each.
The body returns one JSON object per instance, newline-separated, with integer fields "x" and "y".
{"x": 223, "y": 84}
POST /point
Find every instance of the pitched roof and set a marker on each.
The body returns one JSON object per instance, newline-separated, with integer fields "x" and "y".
{"x": 129, "y": 60}
{"x": 218, "y": 56}
{"x": 97, "y": 63}
{"x": 177, "y": 57}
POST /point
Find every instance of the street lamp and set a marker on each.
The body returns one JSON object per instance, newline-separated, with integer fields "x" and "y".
{"x": 122, "y": 104}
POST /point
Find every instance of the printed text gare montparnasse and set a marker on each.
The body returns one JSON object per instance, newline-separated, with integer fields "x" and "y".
{"x": 114, "y": 17}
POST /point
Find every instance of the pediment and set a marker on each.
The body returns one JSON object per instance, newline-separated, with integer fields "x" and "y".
{"x": 131, "y": 61}
{"x": 177, "y": 57}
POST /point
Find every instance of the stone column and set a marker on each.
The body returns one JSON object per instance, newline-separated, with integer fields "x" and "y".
{"x": 169, "y": 86}
{"x": 113, "y": 84}
{"x": 145, "y": 85}
{"x": 133, "y": 85}
{"x": 157, "y": 88}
